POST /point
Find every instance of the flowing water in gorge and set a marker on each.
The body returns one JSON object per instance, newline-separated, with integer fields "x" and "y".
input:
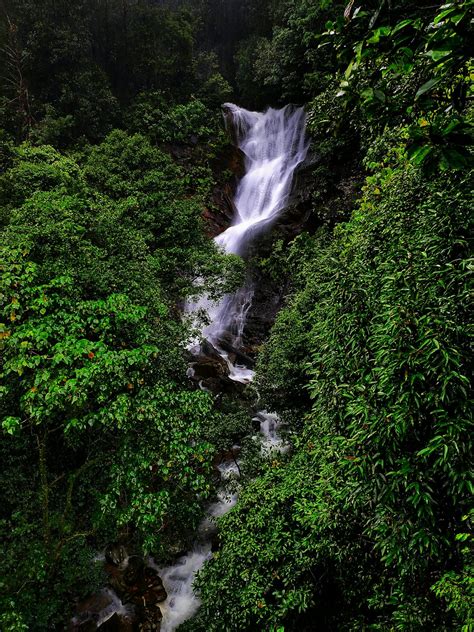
{"x": 274, "y": 144}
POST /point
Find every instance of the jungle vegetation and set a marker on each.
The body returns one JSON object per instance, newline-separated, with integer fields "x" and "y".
{"x": 110, "y": 145}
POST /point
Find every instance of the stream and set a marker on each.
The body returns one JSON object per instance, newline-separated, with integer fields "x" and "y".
{"x": 274, "y": 144}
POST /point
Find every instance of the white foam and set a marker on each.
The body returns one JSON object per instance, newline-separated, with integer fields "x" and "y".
{"x": 270, "y": 425}
{"x": 274, "y": 144}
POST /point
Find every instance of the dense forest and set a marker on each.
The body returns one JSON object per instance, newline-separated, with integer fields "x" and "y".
{"x": 116, "y": 171}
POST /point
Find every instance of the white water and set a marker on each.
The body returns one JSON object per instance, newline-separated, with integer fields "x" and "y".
{"x": 272, "y": 443}
{"x": 274, "y": 145}
{"x": 182, "y": 602}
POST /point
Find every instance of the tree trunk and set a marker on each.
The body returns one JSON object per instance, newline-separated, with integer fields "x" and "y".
{"x": 44, "y": 488}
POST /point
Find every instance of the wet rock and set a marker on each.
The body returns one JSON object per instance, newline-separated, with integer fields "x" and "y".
{"x": 229, "y": 120}
{"x": 267, "y": 301}
{"x": 155, "y": 583}
{"x": 226, "y": 343}
{"x": 134, "y": 570}
{"x": 219, "y": 216}
{"x": 152, "y": 625}
{"x": 228, "y": 168}
{"x": 116, "y": 578}
{"x": 207, "y": 349}
{"x": 210, "y": 371}
{"x": 119, "y": 623}
{"x": 215, "y": 542}
{"x": 236, "y": 162}
{"x": 299, "y": 206}
{"x": 227, "y": 456}
{"x": 323, "y": 193}
{"x": 132, "y": 601}
{"x": 145, "y": 588}
{"x": 84, "y": 622}
{"x": 116, "y": 554}
{"x": 90, "y": 612}
{"x": 207, "y": 368}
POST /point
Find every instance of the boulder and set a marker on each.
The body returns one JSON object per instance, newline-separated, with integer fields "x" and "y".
{"x": 119, "y": 623}
{"x": 116, "y": 554}
{"x": 145, "y": 588}
{"x": 130, "y": 604}
{"x": 207, "y": 368}
{"x": 90, "y": 612}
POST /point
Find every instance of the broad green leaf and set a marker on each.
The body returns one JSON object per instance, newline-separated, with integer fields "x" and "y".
{"x": 426, "y": 87}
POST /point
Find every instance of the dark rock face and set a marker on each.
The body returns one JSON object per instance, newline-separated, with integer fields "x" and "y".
{"x": 119, "y": 623}
{"x": 227, "y": 112}
{"x": 210, "y": 368}
{"x": 299, "y": 207}
{"x": 236, "y": 355}
{"x": 88, "y": 612}
{"x": 267, "y": 301}
{"x": 322, "y": 194}
{"x": 227, "y": 456}
{"x": 228, "y": 169}
{"x": 219, "y": 216}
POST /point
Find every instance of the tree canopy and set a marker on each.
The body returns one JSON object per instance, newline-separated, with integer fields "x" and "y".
{"x": 113, "y": 156}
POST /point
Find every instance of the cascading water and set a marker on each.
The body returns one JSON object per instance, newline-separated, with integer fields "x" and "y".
{"x": 274, "y": 145}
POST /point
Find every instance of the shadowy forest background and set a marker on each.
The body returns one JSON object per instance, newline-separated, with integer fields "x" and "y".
{"x": 111, "y": 147}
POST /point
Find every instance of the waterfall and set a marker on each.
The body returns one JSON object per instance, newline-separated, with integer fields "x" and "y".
{"x": 274, "y": 144}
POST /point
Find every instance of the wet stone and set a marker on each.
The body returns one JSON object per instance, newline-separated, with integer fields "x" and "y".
{"x": 132, "y": 601}
{"x": 116, "y": 554}
{"x": 119, "y": 623}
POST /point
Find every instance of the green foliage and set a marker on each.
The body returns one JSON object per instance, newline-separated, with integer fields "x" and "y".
{"x": 212, "y": 88}
{"x": 288, "y": 65}
{"x": 416, "y": 69}
{"x": 70, "y": 71}
{"x": 184, "y": 123}
{"x": 121, "y": 221}
{"x": 457, "y": 588}
{"x": 268, "y": 551}
{"x": 92, "y": 367}
{"x": 10, "y": 619}
{"x": 78, "y": 367}
{"x": 380, "y": 477}
{"x": 33, "y": 169}
{"x": 66, "y": 352}
{"x": 365, "y": 522}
